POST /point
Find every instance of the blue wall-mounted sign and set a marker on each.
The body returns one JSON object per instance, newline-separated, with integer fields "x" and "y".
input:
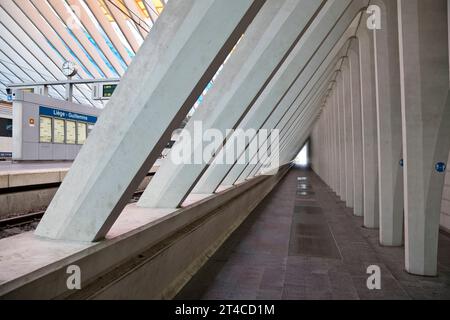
{"x": 62, "y": 114}
{"x": 5, "y": 154}
{"x": 401, "y": 163}
{"x": 441, "y": 167}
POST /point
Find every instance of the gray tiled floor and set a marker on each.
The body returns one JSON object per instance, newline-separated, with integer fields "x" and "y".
{"x": 302, "y": 243}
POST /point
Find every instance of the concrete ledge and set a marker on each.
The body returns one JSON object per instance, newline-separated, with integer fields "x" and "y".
{"x": 31, "y": 178}
{"x": 149, "y": 254}
{"x": 39, "y": 187}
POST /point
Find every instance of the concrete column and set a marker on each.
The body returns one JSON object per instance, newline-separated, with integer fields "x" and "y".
{"x": 341, "y": 120}
{"x": 297, "y": 137}
{"x": 341, "y": 26}
{"x": 369, "y": 127}
{"x": 337, "y": 146}
{"x": 281, "y": 97}
{"x": 335, "y": 166}
{"x": 387, "y": 73}
{"x": 306, "y": 81}
{"x": 346, "y": 77}
{"x": 167, "y": 76}
{"x": 329, "y": 144}
{"x": 288, "y": 140}
{"x": 424, "y": 72}
{"x": 233, "y": 97}
{"x": 302, "y": 121}
{"x": 358, "y": 184}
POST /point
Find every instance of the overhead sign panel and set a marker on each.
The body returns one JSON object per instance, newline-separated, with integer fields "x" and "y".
{"x": 61, "y": 114}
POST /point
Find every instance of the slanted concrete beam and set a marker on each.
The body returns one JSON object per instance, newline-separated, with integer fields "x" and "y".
{"x": 287, "y": 123}
{"x": 168, "y": 74}
{"x": 225, "y": 109}
{"x": 288, "y": 133}
{"x": 330, "y": 48}
{"x": 281, "y": 96}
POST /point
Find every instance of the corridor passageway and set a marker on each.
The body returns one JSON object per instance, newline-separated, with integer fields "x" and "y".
{"x": 303, "y": 243}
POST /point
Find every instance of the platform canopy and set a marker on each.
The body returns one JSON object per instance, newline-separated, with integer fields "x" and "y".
{"x": 100, "y": 36}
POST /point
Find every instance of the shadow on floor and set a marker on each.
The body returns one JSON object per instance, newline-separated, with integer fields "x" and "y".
{"x": 301, "y": 243}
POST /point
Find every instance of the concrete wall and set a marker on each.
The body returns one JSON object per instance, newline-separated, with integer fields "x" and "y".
{"x": 445, "y": 211}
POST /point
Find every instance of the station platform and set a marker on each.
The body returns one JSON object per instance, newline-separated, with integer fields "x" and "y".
{"x": 17, "y": 167}
{"x": 27, "y": 187}
{"x": 20, "y": 174}
{"x": 303, "y": 243}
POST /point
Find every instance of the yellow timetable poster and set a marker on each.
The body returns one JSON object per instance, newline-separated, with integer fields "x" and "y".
{"x": 45, "y": 130}
{"x": 58, "y": 131}
{"x": 81, "y": 133}
{"x": 71, "y": 137}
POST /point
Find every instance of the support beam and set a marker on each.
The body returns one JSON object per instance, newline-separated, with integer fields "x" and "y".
{"x": 355, "y": 74}
{"x": 346, "y": 82}
{"x": 369, "y": 127}
{"x": 123, "y": 146}
{"x": 281, "y": 98}
{"x": 424, "y": 63}
{"x": 342, "y": 143}
{"x": 329, "y": 50}
{"x": 389, "y": 117}
{"x": 234, "y": 98}
{"x": 337, "y": 147}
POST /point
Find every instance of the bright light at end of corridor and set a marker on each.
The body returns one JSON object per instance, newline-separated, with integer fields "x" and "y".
{"x": 302, "y": 158}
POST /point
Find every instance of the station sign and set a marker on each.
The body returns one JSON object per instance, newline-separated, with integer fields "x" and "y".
{"x": 62, "y": 114}
{"x": 5, "y": 154}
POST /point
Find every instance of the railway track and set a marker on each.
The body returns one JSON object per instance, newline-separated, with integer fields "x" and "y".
{"x": 27, "y": 219}
{"x": 20, "y": 221}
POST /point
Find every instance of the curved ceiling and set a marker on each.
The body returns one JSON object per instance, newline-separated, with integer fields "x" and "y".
{"x": 100, "y": 36}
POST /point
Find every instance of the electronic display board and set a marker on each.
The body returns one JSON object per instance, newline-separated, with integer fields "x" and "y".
{"x": 108, "y": 90}
{"x": 58, "y": 131}
{"x": 71, "y": 137}
{"x": 45, "y": 130}
{"x": 81, "y": 132}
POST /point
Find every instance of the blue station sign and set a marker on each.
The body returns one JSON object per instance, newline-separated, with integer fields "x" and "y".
{"x": 62, "y": 114}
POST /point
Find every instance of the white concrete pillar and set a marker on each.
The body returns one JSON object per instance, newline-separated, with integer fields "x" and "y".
{"x": 341, "y": 120}
{"x": 330, "y": 144}
{"x": 327, "y": 142}
{"x": 233, "y": 97}
{"x": 358, "y": 184}
{"x": 293, "y": 131}
{"x": 281, "y": 97}
{"x": 424, "y": 72}
{"x": 387, "y": 73}
{"x": 369, "y": 127}
{"x": 187, "y": 45}
{"x": 337, "y": 146}
{"x": 306, "y": 81}
{"x": 346, "y": 77}
{"x": 335, "y": 165}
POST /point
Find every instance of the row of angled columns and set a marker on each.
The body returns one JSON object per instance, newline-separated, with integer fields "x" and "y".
{"x": 275, "y": 79}
{"x": 386, "y": 127}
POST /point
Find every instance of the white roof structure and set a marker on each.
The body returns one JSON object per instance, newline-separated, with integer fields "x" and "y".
{"x": 100, "y": 36}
